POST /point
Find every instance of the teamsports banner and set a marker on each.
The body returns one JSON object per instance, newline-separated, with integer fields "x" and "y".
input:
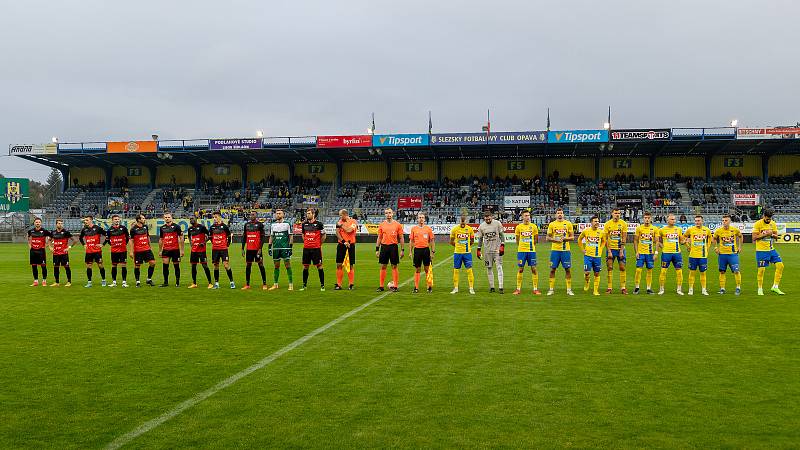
{"x": 502, "y": 137}
{"x": 132, "y": 147}
{"x": 15, "y": 194}
{"x": 517, "y": 201}
{"x": 576, "y": 136}
{"x": 768, "y": 133}
{"x": 364, "y": 140}
{"x": 234, "y": 144}
{"x": 660, "y": 134}
{"x": 410, "y": 202}
{"x": 33, "y": 149}
{"x": 400, "y": 140}
{"x": 746, "y": 199}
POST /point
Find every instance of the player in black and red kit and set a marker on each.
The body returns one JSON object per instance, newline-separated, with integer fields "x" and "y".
{"x": 198, "y": 236}
{"x": 92, "y": 237}
{"x": 313, "y": 237}
{"x": 220, "y": 241}
{"x": 253, "y": 239}
{"x": 61, "y": 241}
{"x": 37, "y": 242}
{"x": 141, "y": 251}
{"x": 170, "y": 243}
{"x": 117, "y": 238}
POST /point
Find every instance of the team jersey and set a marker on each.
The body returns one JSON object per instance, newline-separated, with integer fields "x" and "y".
{"x": 490, "y": 236}
{"x": 351, "y": 236}
{"x": 766, "y": 243}
{"x": 198, "y": 236}
{"x": 253, "y": 236}
{"x": 421, "y": 236}
{"x": 699, "y": 241}
{"x": 527, "y": 237}
{"x": 90, "y": 238}
{"x": 220, "y": 236}
{"x": 117, "y": 239}
{"x": 141, "y": 238}
{"x": 60, "y": 241}
{"x": 728, "y": 240}
{"x": 461, "y": 235}
{"x": 671, "y": 239}
{"x": 170, "y": 236}
{"x": 312, "y": 234}
{"x": 560, "y": 228}
{"x": 647, "y": 239}
{"x": 614, "y": 231}
{"x": 38, "y": 238}
{"x": 593, "y": 241}
{"x": 390, "y": 232}
{"x": 280, "y": 232}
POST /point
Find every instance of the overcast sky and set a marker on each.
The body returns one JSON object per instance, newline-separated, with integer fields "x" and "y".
{"x": 100, "y": 70}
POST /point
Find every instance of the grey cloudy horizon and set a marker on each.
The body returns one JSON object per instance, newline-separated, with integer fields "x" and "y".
{"x": 97, "y": 71}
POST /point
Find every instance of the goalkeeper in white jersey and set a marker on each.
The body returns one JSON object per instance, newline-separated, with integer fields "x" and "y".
{"x": 489, "y": 239}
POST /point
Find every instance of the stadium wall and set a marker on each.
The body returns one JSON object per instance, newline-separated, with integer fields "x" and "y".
{"x": 258, "y": 172}
{"x": 86, "y": 175}
{"x": 567, "y": 166}
{"x": 424, "y": 170}
{"x": 326, "y": 172}
{"x": 455, "y": 169}
{"x": 639, "y": 167}
{"x": 751, "y": 165}
{"x": 783, "y": 165}
{"x": 184, "y": 175}
{"x": 688, "y": 166}
{"x": 521, "y": 167}
{"x": 368, "y": 171}
{"x": 221, "y": 172}
{"x": 133, "y": 180}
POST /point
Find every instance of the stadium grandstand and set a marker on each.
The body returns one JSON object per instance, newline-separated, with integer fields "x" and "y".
{"x": 710, "y": 171}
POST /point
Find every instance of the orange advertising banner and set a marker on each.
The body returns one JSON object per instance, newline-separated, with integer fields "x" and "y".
{"x": 132, "y": 147}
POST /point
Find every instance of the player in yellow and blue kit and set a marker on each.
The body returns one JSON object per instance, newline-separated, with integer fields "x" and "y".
{"x": 765, "y": 232}
{"x": 527, "y": 234}
{"x": 670, "y": 241}
{"x": 591, "y": 241}
{"x": 729, "y": 244}
{"x": 645, "y": 240}
{"x": 698, "y": 239}
{"x": 560, "y": 232}
{"x": 616, "y": 231}
{"x": 461, "y": 237}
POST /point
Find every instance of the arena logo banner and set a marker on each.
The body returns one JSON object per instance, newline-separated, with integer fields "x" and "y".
{"x": 517, "y": 201}
{"x": 768, "y": 133}
{"x": 235, "y": 144}
{"x": 746, "y": 199}
{"x": 661, "y": 134}
{"x": 33, "y": 149}
{"x": 364, "y": 140}
{"x": 400, "y": 140}
{"x": 15, "y": 194}
{"x": 502, "y": 137}
{"x": 576, "y": 136}
{"x": 132, "y": 147}
{"x": 410, "y": 202}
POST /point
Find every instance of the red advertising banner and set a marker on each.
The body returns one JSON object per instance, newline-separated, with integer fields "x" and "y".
{"x": 409, "y": 202}
{"x": 344, "y": 141}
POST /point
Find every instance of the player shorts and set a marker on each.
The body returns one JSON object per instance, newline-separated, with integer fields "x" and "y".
{"x": 61, "y": 260}
{"x": 118, "y": 258}
{"x": 140, "y": 258}
{"x": 198, "y": 258}
{"x": 528, "y": 258}
{"x": 90, "y": 258}
{"x": 645, "y": 261}
{"x": 592, "y": 263}
{"x": 726, "y": 261}
{"x": 462, "y": 259}
{"x": 767, "y": 257}
{"x": 253, "y": 256}
{"x": 174, "y": 255}
{"x": 219, "y": 255}
{"x": 492, "y": 259}
{"x": 341, "y": 250}
{"x": 422, "y": 257}
{"x": 38, "y": 257}
{"x": 281, "y": 254}
{"x": 389, "y": 253}
{"x": 312, "y": 256}
{"x": 676, "y": 259}
{"x": 563, "y": 257}
{"x": 617, "y": 255}
{"x": 698, "y": 263}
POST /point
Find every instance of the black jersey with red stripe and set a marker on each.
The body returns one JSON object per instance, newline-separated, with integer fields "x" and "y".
{"x": 312, "y": 234}
{"x": 220, "y": 236}
{"x": 91, "y": 236}
{"x": 117, "y": 238}
{"x": 38, "y": 238}
{"x": 141, "y": 238}
{"x": 170, "y": 236}
{"x": 198, "y": 236}
{"x": 60, "y": 241}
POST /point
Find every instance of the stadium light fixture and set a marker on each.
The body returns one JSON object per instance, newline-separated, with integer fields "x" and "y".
{"x": 735, "y": 122}
{"x": 155, "y": 137}
{"x": 602, "y": 147}
{"x": 378, "y": 151}
{"x": 610, "y": 147}
{"x": 606, "y": 125}
{"x": 371, "y": 151}
{"x": 259, "y": 134}
{"x": 370, "y": 131}
{"x": 54, "y": 139}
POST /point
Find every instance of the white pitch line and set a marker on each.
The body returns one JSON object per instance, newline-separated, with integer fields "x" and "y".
{"x": 183, "y": 406}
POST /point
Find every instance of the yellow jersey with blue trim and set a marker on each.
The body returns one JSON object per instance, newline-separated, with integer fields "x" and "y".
{"x": 562, "y": 228}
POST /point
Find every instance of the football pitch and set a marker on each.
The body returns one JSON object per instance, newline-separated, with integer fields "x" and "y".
{"x": 86, "y": 368}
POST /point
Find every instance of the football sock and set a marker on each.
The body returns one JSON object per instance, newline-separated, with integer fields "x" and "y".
{"x": 778, "y": 274}
{"x": 596, "y": 282}
{"x": 499, "y": 275}
{"x": 194, "y": 273}
{"x": 637, "y": 277}
{"x": 535, "y": 280}
{"x": 177, "y": 273}
{"x": 321, "y": 273}
{"x": 569, "y": 281}
{"x": 519, "y": 280}
{"x": 351, "y": 276}
{"x": 396, "y": 276}
{"x": 229, "y": 272}
{"x": 216, "y": 275}
{"x": 205, "y": 269}
{"x": 738, "y": 277}
{"x": 305, "y": 275}
{"x": 416, "y": 280}
{"x": 35, "y": 270}
{"x": 722, "y": 280}
{"x": 247, "y": 271}
{"x": 137, "y": 272}
{"x": 649, "y": 278}
{"x": 470, "y": 278}
{"x": 623, "y": 279}
{"x": 552, "y": 282}
{"x": 69, "y": 274}
{"x": 702, "y": 280}
{"x": 124, "y": 270}
{"x": 679, "y": 277}
{"x": 44, "y": 272}
{"x": 662, "y": 278}
{"x": 288, "y": 274}
{"x": 89, "y": 273}
{"x": 102, "y": 273}
{"x": 456, "y": 275}
{"x": 339, "y": 275}
{"x": 55, "y": 273}
{"x": 114, "y": 273}
{"x": 610, "y": 276}
{"x": 691, "y": 278}
{"x": 276, "y": 274}
{"x": 150, "y": 271}
{"x": 165, "y": 272}
{"x": 263, "y": 271}
{"x": 382, "y": 276}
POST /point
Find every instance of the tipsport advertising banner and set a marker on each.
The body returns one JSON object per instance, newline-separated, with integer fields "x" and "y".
{"x": 576, "y": 136}
{"x": 400, "y": 140}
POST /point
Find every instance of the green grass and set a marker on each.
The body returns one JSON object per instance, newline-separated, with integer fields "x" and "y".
{"x": 81, "y": 367}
